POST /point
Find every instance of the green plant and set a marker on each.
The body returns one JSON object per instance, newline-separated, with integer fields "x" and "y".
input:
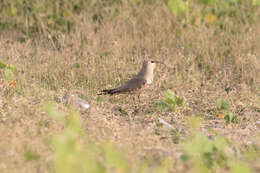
{"x": 206, "y": 155}
{"x": 31, "y": 155}
{"x": 177, "y": 6}
{"x": 222, "y": 111}
{"x": 6, "y": 66}
{"x": 240, "y": 167}
{"x": 173, "y": 100}
{"x": 222, "y": 104}
{"x": 230, "y": 118}
{"x": 256, "y": 2}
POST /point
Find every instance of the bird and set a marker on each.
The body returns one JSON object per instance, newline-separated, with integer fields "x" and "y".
{"x": 143, "y": 78}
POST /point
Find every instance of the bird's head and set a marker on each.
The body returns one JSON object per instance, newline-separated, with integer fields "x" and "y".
{"x": 150, "y": 63}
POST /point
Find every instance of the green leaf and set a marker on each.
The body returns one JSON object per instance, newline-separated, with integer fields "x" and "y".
{"x": 170, "y": 101}
{"x": 206, "y": 154}
{"x": 122, "y": 111}
{"x": 30, "y": 155}
{"x": 222, "y": 104}
{"x": 205, "y": 2}
{"x": 170, "y": 97}
{"x": 12, "y": 67}
{"x": 256, "y": 2}
{"x": 170, "y": 94}
{"x": 179, "y": 101}
{"x": 230, "y": 118}
{"x": 177, "y": 6}
{"x": 239, "y": 167}
{"x": 2, "y": 65}
{"x": 184, "y": 157}
{"x": 6, "y": 66}
{"x": 174, "y": 100}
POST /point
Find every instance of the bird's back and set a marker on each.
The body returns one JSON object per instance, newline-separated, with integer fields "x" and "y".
{"x": 132, "y": 85}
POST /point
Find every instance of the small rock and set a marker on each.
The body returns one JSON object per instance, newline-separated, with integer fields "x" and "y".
{"x": 76, "y": 101}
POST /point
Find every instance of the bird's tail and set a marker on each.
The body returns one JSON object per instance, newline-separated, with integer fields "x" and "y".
{"x": 108, "y": 91}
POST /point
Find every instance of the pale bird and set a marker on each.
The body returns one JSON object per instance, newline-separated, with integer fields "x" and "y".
{"x": 144, "y": 77}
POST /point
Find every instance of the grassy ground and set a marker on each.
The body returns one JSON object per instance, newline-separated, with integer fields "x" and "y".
{"x": 206, "y": 60}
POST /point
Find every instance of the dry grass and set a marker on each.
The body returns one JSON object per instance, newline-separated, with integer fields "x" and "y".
{"x": 204, "y": 63}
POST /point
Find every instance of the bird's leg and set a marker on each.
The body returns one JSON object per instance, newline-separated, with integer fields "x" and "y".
{"x": 134, "y": 99}
{"x": 135, "y": 103}
{"x": 138, "y": 104}
{"x": 138, "y": 96}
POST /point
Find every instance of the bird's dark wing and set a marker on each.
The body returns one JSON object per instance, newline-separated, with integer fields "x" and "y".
{"x": 131, "y": 85}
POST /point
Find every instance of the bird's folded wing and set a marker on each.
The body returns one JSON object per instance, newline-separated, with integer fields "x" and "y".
{"x": 132, "y": 85}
